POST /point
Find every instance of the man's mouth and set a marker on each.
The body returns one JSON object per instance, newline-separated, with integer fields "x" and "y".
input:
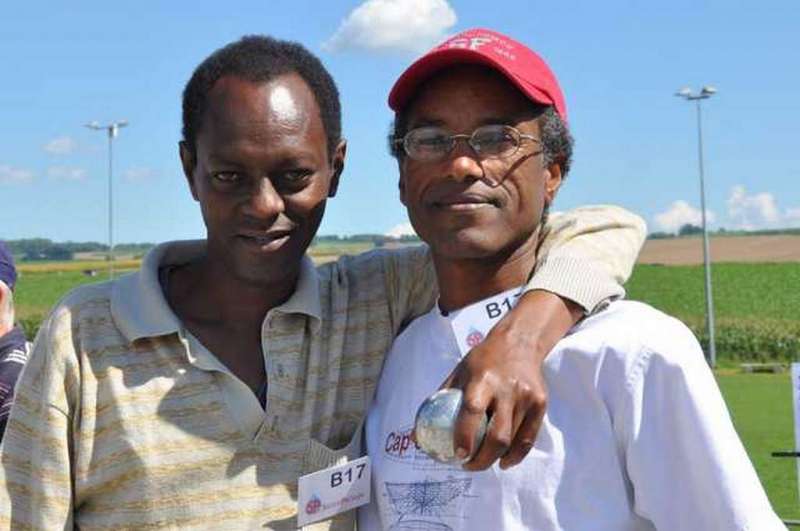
{"x": 269, "y": 241}
{"x": 464, "y": 202}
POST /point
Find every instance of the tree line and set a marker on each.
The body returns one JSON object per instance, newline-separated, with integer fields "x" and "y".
{"x": 692, "y": 230}
{"x": 33, "y": 249}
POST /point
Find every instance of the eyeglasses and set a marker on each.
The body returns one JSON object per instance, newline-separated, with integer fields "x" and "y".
{"x": 432, "y": 144}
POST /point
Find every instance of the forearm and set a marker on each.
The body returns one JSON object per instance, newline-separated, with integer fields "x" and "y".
{"x": 540, "y": 320}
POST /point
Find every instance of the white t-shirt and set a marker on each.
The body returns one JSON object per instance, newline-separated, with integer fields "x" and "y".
{"x": 636, "y": 436}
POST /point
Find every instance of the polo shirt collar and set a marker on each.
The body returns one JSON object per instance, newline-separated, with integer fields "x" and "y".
{"x": 305, "y": 299}
{"x": 141, "y": 310}
{"x": 138, "y": 304}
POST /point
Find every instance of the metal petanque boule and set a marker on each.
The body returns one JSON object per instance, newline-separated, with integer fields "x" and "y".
{"x": 435, "y": 424}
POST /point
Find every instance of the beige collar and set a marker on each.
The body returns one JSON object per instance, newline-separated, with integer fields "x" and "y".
{"x": 140, "y": 308}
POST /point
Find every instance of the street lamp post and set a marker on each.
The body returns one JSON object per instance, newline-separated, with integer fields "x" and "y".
{"x": 705, "y": 93}
{"x": 112, "y": 129}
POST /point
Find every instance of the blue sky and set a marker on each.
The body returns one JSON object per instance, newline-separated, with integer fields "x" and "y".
{"x": 619, "y": 63}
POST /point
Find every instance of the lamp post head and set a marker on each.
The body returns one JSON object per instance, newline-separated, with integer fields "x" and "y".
{"x": 705, "y": 93}
{"x": 113, "y": 128}
{"x": 708, "y": 91}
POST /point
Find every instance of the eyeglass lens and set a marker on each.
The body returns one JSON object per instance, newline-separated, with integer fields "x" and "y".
{"x": 430, "y": 143}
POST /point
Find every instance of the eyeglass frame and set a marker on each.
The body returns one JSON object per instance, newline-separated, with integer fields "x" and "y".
{"x": 453, "y": 139}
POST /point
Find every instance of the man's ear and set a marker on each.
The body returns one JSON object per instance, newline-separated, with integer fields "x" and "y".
{"x": 401, "y": 181}
{"x": 188, "y": 162}
{"x": 401, "y": 185}
{"x": 337, "y": 164}
{"x": 6, "y": 319}
{"x": 552, "y": 182}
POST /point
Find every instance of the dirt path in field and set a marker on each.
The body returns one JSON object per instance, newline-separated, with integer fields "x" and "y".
{"x": 688, "y": 251}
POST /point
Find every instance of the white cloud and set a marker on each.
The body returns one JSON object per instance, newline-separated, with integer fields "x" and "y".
{"x": 755, "y": 211}
{"x": 680, "y": 213}
{"x": 398, "y": 231}
{"x": 62, "y": 145}
{"x": 394, "y": 25}
{"x": 12, "y": 175}
{"x": 792, "y": 217}
{"x": 66, "y": 173}
{"x": 138, "y": 174}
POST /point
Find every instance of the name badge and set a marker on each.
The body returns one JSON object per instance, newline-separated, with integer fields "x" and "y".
{"x": 334, "y": 490}
{"x": 473, "y": 323}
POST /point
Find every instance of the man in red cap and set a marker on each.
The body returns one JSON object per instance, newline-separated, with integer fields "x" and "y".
{"x": 636, "y": 434}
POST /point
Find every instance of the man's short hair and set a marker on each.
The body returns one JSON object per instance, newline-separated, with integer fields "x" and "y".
{"x": 258, "y": 59}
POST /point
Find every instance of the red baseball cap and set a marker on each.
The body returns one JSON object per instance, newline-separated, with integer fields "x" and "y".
{"x": 521, "y": 65}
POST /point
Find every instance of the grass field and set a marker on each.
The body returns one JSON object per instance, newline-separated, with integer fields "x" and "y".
{"x": 323, "y": 252}
{"x": 37, "y": 291}
{"x": 757, "y": 306}
{"x": 761, "y": 407}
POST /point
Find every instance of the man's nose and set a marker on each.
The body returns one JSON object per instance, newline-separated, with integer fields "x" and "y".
{"x": 264, "y": 201}
{"x": 464, "y": 163}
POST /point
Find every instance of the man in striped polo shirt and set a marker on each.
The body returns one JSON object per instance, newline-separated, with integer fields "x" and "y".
{"x": 194, "y": 393}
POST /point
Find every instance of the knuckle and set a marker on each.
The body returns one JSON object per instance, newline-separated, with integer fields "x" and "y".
{"x": 481, "y": 375}
{"x": 524, "y": 389}
{"x": 537, "y": 397}
{"x": 539, "y": 400}
{"x": 501, "y": 441}
{"x": 472, "y": 406}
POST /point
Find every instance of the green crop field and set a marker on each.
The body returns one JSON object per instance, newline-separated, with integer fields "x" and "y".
{"x": 740, "y": 290}
{"x": 38, "y": 291}
{"x": 757, "y": 306}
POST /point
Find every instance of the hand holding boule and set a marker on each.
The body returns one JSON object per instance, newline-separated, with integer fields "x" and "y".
{"x": 435, "y": 426}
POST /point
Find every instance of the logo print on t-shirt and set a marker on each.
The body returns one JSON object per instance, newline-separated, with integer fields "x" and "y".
{"x": 399, "y": 443}
{"x": 474, "y": 338}
{"x": 427, "y": 504}
{"x": 313, "y": 505}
